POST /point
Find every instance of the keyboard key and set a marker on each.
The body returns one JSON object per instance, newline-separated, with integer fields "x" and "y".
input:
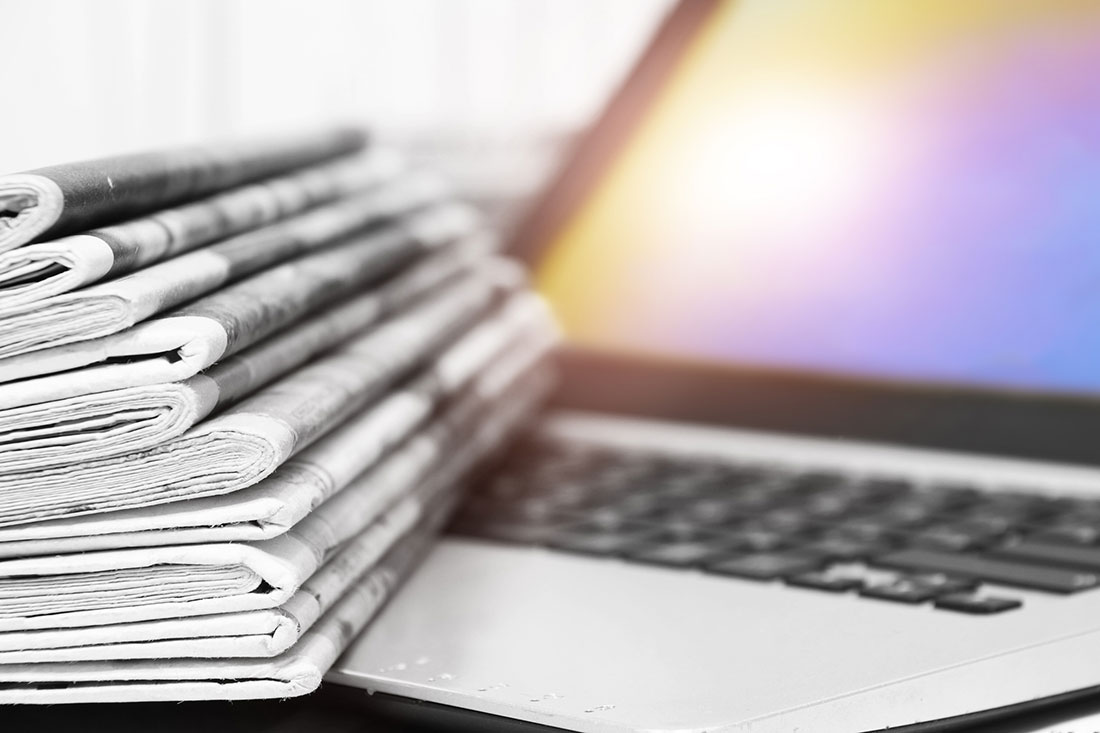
{"x": 1069, "y": 532}
{"x": 639, "y": 505}
{"x": 969, "y": 603}
{"x": 999, "y": 519}
{"x": 710, "y": 511}
{"x": 686, "y": 532}
{"x": 1001, "y": 571}
{"x": 902, "y": 590}
{"x": 1068, "y": 556}
{"x": 993, "y": 526}
{"x": 843, "y": 548}
{"x": 904, "y": 514}
{"x": 753, "y": 501}
{"x": 608, "y": 518}
{"x": 884, "y": 488}
{"x": 819, "y": 580}
{"x": 827, "y": 506}
{"x": 767, "y": 565}
{"x": 676, "y": 554}
{"x": 1079, "y": 509}
{"x": 945, "y": 583}
{"x": 679, "y": 490}
{"x": 788, "y": 521}
{"x": 755, "y": 540}
{"x": 956, "y": 536}
{"x": 863, "y": 530}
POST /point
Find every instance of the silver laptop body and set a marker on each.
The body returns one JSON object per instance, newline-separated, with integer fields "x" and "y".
{"x": 547, "y": 626}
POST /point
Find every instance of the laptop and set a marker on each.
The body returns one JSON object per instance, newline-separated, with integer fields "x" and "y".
{"x": 826, "y": 454}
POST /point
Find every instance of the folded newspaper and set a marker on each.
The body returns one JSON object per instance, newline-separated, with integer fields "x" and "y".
{"x": 316, "y": 638}
{"x": 273, "y": 505}
{"x": 116, "y": 421}
{"x": 37, "y": 271}
{"x": 240, "y": 390}
{"x": 262, "y": 633}
{"x": 341, "y": 536}
{"x": 183, "y": 342}
{"x": 248, "y": 441}
{"x": 63, "y": 199}
{"x": 174, "y": 581}
{"x": 110, "y": 307}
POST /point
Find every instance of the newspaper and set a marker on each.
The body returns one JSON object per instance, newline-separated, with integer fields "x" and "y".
{"x": 109, "y": 307}
{"x": 109, "y": 423}
{"x": 276, "y": 503}
{"x": 37, "y": 271}
{"x": 63, "y": 199}
{"x": 248, "y": 441}
{"x": 262, "y": 633}
{"x": 185, "y": 341}
{"x": 176, "y": 581}
{"x": 267, "y": 632}
{"x": 296, "y": 671}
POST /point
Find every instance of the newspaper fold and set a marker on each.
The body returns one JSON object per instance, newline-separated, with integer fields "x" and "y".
{"x": 185, "y": 341}
{"x": 37, "y": 271}
{"x": 62, "y": 199}
{"x": 248, "y": 441}
{"x": 119, "y": 586}
{"x": 262, "y": 633}
{"x": 467, "y": 433}
{"x": 279, "y": 501}
{"x": 118, "y": 421}
{"x": 296, "y": 671}
{"x": 110, "y": 307}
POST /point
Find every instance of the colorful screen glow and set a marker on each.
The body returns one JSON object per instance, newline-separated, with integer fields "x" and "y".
{"x": 903, "y": 190}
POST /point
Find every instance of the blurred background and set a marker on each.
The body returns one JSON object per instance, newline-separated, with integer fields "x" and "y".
{"x": 491, "y": 91}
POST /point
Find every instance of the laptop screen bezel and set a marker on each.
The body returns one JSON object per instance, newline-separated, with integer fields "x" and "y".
{"x": 1053, "y": 427}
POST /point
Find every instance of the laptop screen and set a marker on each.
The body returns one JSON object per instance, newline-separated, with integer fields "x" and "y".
{"x": 887, "y": 190}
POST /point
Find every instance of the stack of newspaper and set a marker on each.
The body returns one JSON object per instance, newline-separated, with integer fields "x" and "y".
{"x": 239, "y": 387}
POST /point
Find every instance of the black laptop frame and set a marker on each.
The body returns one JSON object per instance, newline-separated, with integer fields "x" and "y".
{"x": 1054, "y": 427}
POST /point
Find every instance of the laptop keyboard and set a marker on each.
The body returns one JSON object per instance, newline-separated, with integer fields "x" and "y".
{"x": 884, "y": 538}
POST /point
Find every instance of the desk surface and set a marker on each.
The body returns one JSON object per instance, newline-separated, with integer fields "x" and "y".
{"x": 333, "y": 709}
{"x": 340, "y": 710}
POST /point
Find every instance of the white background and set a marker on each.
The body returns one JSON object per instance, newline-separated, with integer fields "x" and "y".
{"x": 83, "y": 78}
